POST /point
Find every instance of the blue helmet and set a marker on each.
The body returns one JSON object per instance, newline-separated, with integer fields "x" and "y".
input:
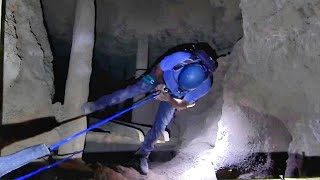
{"x": 191, "y": 76}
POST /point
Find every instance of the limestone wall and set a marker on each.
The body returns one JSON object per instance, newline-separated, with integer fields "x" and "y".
{"x": 28, "y": 75}
{"x": 271, "y": 91}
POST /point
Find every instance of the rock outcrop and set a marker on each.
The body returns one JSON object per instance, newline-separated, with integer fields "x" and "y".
{"x": 28, "y": 75}
{"x": 271, "y": 91}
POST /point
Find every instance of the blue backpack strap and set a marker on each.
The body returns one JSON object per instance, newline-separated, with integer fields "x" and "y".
{"x": 201, "y": 57}
{"x": 210, "y": 63}
{"x": 184, "y": 63}
{"x": 192, "y": 59}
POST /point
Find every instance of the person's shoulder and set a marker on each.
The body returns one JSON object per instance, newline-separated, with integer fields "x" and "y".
{"x": 175, "y": 58}
{"x": 207, "y": 84}
{"x": 181, "y": 54}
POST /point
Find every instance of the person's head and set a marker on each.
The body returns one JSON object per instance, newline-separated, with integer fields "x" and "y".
{"x": 191, "y": 76}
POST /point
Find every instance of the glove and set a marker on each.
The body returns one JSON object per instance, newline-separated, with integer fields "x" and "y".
{"x": 149, "y": 79}
{"x": 87, "y": 108}
{"x": 164, "y": 95}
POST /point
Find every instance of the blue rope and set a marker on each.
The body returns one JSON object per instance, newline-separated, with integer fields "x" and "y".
{"x": 47, "y": 167}
{"x": 62, "y": 142}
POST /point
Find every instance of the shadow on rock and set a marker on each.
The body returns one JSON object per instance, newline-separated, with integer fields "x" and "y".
{"x": 272, "y": 165}
{"x": 10, "y": 133}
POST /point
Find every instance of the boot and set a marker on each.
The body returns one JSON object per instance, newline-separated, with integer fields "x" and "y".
{"x": 140, "y": 164}
{"x": 143, "y": 165}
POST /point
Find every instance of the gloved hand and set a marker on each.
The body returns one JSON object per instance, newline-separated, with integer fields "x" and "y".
{"x": 87, "y": 108}
{"x": 164, "y": 95}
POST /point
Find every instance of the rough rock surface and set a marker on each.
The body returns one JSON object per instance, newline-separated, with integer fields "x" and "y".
{"x": 119, "y": 23}
{"x": 271, "y": 92}
{"x": 281, "y": 57}
{"x": 28, "y": 76}
{"x": 243, "y": 132}
{"x": 77, "y": 85}
{"x": 166, "y": 23}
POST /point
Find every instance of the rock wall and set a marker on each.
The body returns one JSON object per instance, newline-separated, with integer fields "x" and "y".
{"x": 281, "y": 48}
{"x": 28, "y": 76}
{"x": 167, "y": 23}
{"x": 271, "y": 91}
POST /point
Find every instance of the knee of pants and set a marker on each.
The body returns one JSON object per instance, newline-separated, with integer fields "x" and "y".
{"x": 159, "y": 127}
{"x": 165, "y": 113}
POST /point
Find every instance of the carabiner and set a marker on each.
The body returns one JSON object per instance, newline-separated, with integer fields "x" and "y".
{"x": 165, "y": 90}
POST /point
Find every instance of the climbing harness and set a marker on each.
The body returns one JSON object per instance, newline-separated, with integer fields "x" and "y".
{"x": 64, "y": 141}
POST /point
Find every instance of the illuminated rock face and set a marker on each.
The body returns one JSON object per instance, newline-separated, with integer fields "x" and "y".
{"x": 271, "y": 91}
{"x": 281, "y": 56}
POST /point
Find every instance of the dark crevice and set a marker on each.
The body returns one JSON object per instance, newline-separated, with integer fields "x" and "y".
{"x": 61, "y": 49}
{"x": 50, "y": 42}
{"x": 3, "y": 13}
{"x": 35, "y": 36}
{"x": 304, "y": 166}
{"x": 22, "y": 130}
